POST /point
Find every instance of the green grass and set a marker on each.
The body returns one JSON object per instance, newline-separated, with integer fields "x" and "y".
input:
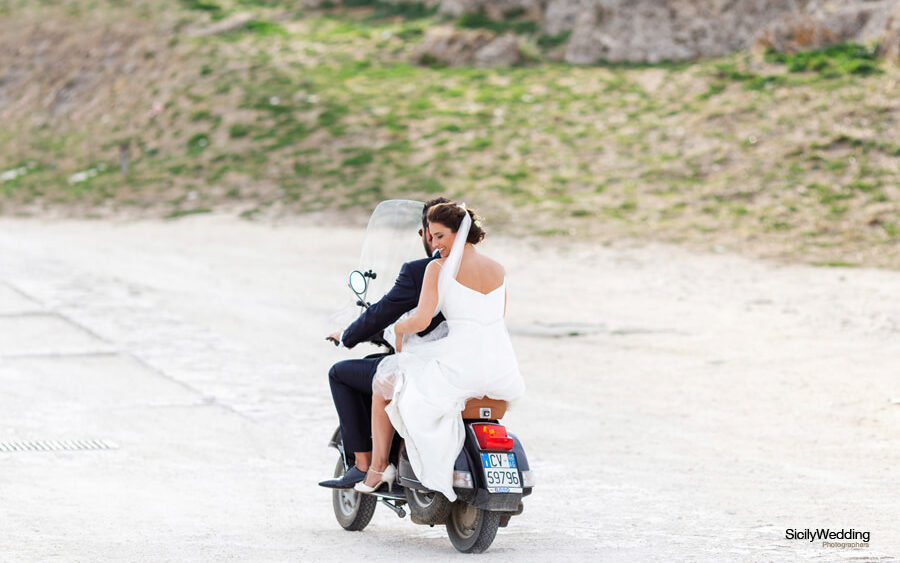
{"x": 836, "y": 264}
{"x": 361, "y": 158}
{"x": 479, "y": 20}
{"x": 197, "y": 143}
{"x": 478, "y": 144}
{"x": 184, "y": 212}
{"x": 550, "y": 41}
{"x": 239, "y": 130}
{"x": 263, "y": 28}
{"x": 831, "y": 62}
{"x": 202, "y": 5}
{"x": 332, "y": 115}
{"x": 404, "y": 10}
{"x": 730, "y": 73}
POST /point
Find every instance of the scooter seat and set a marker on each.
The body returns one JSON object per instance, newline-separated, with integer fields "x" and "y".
{"x": 484, "y": 408}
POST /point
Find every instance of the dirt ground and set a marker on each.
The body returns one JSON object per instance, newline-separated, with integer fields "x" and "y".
{"x": 707, "y": 404}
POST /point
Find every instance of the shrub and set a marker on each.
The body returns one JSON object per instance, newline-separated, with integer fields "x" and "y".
{"x": 405, "y": 10}
{"x": 844, "y": 58}
{"x": 238, "y": 130}
{"x": 362, "y": 158}
{"x": 198, "y": 143}
{"x": 480, "y": 20}
{"x": 201, "y": 5}
{"x": 551, "y": 41}
{"x": 260, "y": 27}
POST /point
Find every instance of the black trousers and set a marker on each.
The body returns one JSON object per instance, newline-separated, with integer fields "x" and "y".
{"x": 351, "y": 390}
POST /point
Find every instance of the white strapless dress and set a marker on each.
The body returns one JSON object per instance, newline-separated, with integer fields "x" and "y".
{"x": 430, "y": 381}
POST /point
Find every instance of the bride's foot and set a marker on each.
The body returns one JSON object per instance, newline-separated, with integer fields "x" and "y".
{"x": 375, "y": 478}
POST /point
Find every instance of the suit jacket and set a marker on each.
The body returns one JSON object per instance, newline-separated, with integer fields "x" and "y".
{"x": 403, "y": 297}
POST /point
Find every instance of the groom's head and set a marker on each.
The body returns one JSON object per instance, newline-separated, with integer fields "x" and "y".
{"x": 423, "y": 231}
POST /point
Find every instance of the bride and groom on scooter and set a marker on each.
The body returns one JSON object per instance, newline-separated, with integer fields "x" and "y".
{"x": 451, "y": 346}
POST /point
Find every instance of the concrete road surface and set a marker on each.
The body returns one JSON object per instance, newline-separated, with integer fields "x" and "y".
{"x": 163, "y": 397}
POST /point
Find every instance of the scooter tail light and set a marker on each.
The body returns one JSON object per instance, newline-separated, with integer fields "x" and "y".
{"x": 463, "y": 480}
{"x": 499, "y": 444}
{"x": 492, "y": 437}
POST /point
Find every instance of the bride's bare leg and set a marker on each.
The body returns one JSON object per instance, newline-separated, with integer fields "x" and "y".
{"x": 382, "y": 435}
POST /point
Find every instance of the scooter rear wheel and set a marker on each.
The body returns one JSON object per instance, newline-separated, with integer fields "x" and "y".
{"x": 471, "y": 530}
{"x": 353, "y": 510}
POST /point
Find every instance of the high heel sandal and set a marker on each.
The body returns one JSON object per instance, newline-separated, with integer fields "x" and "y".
{"x": 387, "y": 476}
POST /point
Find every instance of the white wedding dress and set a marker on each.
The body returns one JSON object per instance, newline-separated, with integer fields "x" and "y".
{"x": 429, "y": 382}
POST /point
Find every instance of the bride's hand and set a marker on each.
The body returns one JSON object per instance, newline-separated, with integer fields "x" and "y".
{"x": 398, "y": 340}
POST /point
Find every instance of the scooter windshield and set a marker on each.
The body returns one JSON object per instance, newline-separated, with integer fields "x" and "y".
{"x": 391, "y": 240}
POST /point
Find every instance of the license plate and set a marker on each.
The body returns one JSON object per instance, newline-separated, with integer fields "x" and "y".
{"x": 501, "y": 473}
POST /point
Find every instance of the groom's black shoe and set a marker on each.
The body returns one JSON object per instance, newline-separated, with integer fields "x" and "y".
{"x": 346, "y": 481}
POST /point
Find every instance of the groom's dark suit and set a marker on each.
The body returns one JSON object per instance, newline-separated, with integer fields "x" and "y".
{"x": 351, "y": 380}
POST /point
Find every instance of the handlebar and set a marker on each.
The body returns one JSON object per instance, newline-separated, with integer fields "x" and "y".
{"x": 377, "y": 340}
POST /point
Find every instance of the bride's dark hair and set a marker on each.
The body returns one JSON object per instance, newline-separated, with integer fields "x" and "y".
{"x": 450, "y": 215}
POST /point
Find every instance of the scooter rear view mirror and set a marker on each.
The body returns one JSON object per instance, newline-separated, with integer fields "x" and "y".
{"x": 358, "y": 283}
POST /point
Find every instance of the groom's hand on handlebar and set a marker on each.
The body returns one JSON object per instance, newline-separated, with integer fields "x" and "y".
{"x": 335, "y": 337}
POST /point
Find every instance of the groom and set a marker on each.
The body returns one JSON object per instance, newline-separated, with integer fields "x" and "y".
{"x": 351, "y": 380}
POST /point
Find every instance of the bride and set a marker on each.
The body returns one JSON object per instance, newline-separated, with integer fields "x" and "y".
{"x": 422, "y": 388}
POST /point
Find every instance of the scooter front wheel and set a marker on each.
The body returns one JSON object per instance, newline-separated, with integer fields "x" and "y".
{"x": 471, "y": 530}
{"x": 352, "y": 510}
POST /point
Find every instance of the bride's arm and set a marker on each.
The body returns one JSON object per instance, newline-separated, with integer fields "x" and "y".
{"x": 428, "y": 299}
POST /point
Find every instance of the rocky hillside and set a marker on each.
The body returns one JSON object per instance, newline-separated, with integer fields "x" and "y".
{"x": 677, "y": 30}
{"x": 266, "y": 108}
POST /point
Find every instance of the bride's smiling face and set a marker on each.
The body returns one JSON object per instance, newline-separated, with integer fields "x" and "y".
{"x": 441, "y": 238}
